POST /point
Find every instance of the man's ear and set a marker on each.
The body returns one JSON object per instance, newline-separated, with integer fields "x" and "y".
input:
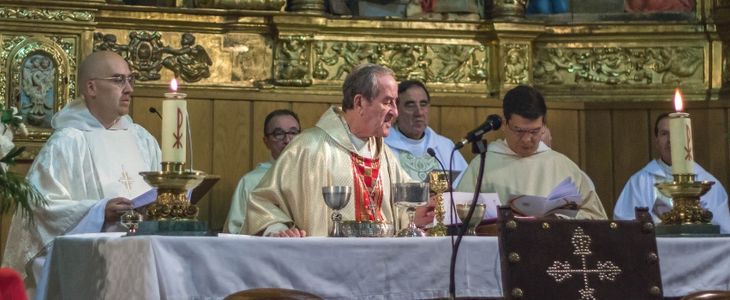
{"x": 91, "y": 88}
{"x": 357, "y": 102}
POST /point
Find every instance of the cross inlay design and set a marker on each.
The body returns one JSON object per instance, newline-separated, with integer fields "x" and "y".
{"x": 606, "y": 270}
{"x": 126, "y": 180}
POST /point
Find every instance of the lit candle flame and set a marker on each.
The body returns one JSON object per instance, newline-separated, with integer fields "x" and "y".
{"x": 678, "y": 100}
{"x": 173, "y": 85}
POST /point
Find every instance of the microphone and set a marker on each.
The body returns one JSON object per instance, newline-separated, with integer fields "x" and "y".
{"x": 493, "y": 122}
{"x": 432, "y": 153}
{"x": 154, "y": 111}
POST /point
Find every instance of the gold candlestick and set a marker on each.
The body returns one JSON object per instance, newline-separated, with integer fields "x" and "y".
{"x": 687, "y": 216}
{"x": 172, "y": 184}
{"x": 439, "y": 184}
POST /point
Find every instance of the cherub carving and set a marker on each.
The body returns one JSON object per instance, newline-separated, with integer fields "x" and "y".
{"x": 190, "y": 62}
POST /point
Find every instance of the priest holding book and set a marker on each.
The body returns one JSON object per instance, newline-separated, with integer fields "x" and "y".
{"x": 521, "y": 164}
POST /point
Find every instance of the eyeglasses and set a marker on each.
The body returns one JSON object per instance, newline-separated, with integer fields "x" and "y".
{"x": 279, "y": 135}
{"x": 119, "y": 80}
{"x": 522, "y": 132}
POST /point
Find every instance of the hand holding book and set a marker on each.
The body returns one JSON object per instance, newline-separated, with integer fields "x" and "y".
{"x": 563, "y": 201}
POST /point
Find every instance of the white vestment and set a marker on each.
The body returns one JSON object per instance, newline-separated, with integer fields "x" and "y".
{"x": 640, "y": 191}
{"x": 239, "y": 202}
{"x": 413, "y": 156}
{"x": 506, "y": 173}
{"x": 81, "y": 167}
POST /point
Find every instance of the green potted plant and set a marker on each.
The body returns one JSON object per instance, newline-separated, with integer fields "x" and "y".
{"x": 15, "y": 191}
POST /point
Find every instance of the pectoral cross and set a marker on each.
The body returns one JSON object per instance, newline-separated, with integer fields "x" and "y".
{"x": 126, "y": 180}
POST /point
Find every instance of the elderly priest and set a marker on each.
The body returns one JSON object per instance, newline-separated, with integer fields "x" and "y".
{"x": 345, "y": 148}
{"x": 521, "y": 164}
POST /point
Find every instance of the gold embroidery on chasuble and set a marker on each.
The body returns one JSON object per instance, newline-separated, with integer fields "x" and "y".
{"x": 368, "y": 188}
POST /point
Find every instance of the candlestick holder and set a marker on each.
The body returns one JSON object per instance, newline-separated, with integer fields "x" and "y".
{"x": 172, "y": 213}
{"x": 439, "y": 183}
{"x": 687, "y": 217}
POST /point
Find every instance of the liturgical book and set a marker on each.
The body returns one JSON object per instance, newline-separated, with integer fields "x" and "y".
{"x": 562, "y": 201}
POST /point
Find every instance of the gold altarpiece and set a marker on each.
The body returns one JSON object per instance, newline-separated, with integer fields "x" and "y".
{"x": 605, "y": 81}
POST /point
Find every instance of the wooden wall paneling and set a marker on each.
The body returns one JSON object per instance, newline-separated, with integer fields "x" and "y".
{"x": 653, "y": 114}
{"x": 717, "y": 144}
{"x": 309, "y": 113}
{"x": 434, "y": 118}
{"x": 141, "y": 115}
{"x": 631, "y": 145}
{"x": 201, "y": 126}
{"x": 564, "y": 128}
{"x": 482, "y": 114}
{"x": 231, "y": 152}
{"x": 456, "y": 122}
{"x": 260, "y": 110}
{"x": 700, "y": 136}
{"x": 598, "y": 154}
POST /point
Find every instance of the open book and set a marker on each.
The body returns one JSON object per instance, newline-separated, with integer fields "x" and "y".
{"x": 563, "y": 201}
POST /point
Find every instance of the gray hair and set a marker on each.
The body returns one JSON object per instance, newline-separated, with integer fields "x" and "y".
{"x": 362, "y": 80}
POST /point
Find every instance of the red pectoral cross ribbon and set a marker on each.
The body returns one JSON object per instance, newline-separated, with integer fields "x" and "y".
{"x": 368, "y": 188}
{"x": 178, "y": 135}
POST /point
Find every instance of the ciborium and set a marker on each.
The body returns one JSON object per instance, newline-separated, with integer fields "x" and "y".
{"x": 687, "y": 216}
{"x": 439, "y": 183}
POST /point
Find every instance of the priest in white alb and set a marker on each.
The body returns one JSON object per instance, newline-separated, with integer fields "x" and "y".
{"x": 89, "y": 168}
{"x": 521, "y": 164}
{"x": 345, "y": 148}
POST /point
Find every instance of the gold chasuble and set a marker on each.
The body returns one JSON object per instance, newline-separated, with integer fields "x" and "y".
{"x": 290, "y": 194}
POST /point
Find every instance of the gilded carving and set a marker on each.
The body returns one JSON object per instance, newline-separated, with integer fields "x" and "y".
{"x": 515, "y": 64}
{"x": 292, "y": 62}
{"x": 145, "y": 52}
{"x": 618, "y": 65}
{"x": 430, "y": 63}
{"x": 46, "y": 14}
{"x": 189, "y": 62}
{"x": 251, "y": 57}
{"x": 243, "y": 4}
{"x": 39, "y": 79}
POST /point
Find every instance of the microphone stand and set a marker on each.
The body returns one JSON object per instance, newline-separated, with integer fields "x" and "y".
{"x": 478, "y": 147}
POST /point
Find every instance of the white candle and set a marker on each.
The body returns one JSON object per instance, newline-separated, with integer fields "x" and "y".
{"x": 680, "y": 138}
{"x": 174, "y": 125}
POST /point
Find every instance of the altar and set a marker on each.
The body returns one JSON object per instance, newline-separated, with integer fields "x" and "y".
{"x": 107, "y": 266}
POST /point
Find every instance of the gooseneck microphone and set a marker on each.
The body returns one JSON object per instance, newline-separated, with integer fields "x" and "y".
{"x": 154, "y": 111}
{"x": 493, "y": 122}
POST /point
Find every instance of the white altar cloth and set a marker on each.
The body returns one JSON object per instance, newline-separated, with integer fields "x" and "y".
{"x": 105, "y": 266}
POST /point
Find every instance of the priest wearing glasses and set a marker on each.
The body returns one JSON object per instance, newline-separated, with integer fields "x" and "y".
{"x": 88, "y": 170}
{"x": 521, "y": 164}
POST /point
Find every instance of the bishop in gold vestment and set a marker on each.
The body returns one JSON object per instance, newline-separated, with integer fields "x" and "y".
{"x": 345, "y": 148}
